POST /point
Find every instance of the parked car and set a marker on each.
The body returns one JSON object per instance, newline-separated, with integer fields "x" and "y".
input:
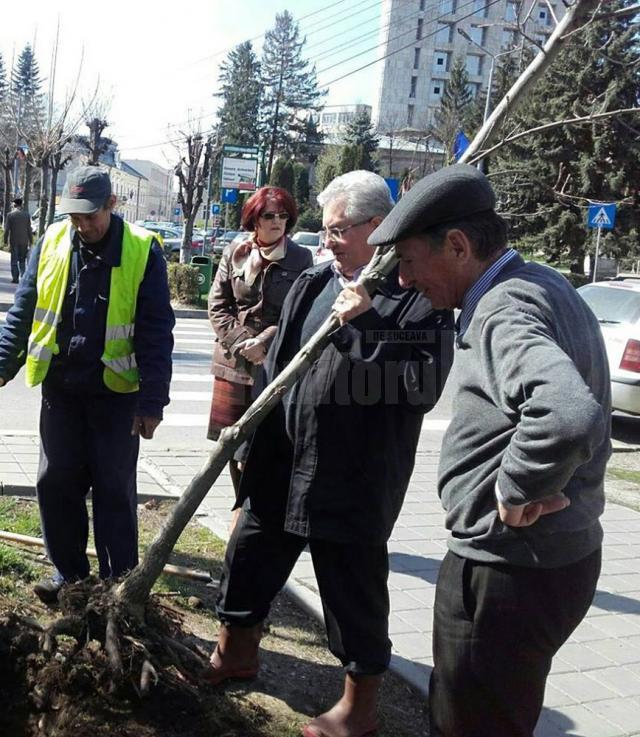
{"x": 313, "y": 241}
{"x": 616, "y": 304}
{"x": 309, "y": 240}
{"x": 225, "y": 239}
{"x": 35, "y": 220}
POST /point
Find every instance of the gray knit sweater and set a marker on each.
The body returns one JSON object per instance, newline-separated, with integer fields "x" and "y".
{"x": 532, "y": 412}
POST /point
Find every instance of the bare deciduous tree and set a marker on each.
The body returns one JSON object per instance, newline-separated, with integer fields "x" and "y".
{"x": 192, "y": 172}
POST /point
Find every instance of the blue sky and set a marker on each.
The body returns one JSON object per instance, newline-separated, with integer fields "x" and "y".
{"x": 158, "y": 64}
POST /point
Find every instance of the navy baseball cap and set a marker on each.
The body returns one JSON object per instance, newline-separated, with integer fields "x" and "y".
{"x": 85, "y": 191}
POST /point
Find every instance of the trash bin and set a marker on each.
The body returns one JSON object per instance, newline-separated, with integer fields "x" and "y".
{"x": 205, "y": 268}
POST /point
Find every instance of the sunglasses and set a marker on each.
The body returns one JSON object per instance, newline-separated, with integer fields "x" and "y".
{"x": 274, "y": 215}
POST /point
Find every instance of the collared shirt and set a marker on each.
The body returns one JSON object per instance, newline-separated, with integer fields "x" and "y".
{"x": 342, "y": 278}
{"x": 475, "y": 293}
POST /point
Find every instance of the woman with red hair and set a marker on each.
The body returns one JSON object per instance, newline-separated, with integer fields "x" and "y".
{"x": 253, "y": 278}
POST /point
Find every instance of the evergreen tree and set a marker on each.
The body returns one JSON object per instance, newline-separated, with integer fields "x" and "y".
{"x": 300, "y": 185}
{"x": 26, "y": 87}
{"x": 290, "y": 90}
{"x": 328, "y": 165}
{"x": 456, "y": 107}
{"x": 282, "y": 175}
{"x": 360, "y": 133}
{"x": 350, "y": 158}
{"x": 553, "y": 175}
{"x": 239, "y": 115}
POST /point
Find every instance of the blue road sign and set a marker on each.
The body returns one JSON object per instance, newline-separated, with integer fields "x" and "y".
{"x": 394, "y": 186}
{"x": 602, "y": 216}
{"x": 176, "y": 211}
{"x": 230, "y": 196}
{"x": 215, "y": 208}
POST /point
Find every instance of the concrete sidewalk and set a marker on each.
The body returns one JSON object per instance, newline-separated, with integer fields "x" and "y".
{"x": 594, "y": 687}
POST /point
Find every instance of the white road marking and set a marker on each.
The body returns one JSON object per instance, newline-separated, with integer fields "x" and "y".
{"x": 190, "y": 396}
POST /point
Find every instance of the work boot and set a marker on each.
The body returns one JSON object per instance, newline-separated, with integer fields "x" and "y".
{"x": 48, "y": 589}
{"x": 236, "y": 654}
{"x": 355, "y": 715}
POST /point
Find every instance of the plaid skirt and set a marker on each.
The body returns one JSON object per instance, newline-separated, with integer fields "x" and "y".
{"x": 229, "y": 403}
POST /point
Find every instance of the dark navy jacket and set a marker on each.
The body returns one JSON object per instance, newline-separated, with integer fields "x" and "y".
{"x": 78, "y": 367}
{"x": 333, "y": 460}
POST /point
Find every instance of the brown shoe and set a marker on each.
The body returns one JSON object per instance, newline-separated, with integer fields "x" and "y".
{"x": 235, "y": 655}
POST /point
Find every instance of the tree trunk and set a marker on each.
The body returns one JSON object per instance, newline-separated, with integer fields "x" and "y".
{"x": 7, "y": 166}
{"x": 44, "y": 195}
{"x": 56, "y": 161}
{"x": 28, "y": 181}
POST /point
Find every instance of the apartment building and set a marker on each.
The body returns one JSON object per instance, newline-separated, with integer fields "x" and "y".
{"x": 421, "y": 38}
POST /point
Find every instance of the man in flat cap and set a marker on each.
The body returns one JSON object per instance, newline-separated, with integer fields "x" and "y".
{"x": 330, "y": 465}
{"x": 92, "y": 322}
{"x": 522, "y": 463}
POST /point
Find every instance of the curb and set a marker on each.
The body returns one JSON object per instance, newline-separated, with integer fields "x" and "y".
{"x": 30, "y": 491}
{"x": 194, "y": 312}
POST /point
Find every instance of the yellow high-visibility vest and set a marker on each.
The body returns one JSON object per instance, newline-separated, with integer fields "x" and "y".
{"x": 120, "y": 368}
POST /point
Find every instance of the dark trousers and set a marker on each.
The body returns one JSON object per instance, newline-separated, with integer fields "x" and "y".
{"x": 86, "y": 444}
{"x": 496, "y": 629}
{"x": 18, "y": 261}
{"x": 352, "y": 581}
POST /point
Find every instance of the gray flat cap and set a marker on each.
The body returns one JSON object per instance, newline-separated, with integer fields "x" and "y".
{"x": 452, "y": 193}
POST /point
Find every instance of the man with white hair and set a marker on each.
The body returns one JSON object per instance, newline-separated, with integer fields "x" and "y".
{"x": 330, "y": 465}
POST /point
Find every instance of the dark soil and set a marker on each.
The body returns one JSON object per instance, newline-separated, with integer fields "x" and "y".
{"x": 59, "y": 680}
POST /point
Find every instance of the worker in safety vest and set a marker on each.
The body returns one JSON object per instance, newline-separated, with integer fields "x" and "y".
{"x": 92, "y": 323}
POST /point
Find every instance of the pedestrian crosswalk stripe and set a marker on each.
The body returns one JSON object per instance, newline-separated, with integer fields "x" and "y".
{"x": 190, "y": 396}
{"x": 195, "y": 341}
{"x": 207, "y": 378}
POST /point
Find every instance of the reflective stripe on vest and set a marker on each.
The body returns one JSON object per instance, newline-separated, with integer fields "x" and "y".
{"x": 120, "y": 367}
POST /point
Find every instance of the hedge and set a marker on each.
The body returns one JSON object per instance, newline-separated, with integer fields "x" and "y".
{"x": 183, "y": 283}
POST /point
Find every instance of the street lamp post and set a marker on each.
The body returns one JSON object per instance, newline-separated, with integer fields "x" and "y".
{"x": 487, "y": 104}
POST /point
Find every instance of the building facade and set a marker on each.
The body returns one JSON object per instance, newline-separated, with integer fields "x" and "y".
{"x": 158, "y": 204}
{"x": 334, "y": 119}
{"x": 421, "y": 39}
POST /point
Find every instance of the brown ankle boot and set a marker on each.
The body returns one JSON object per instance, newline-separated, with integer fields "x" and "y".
{"x": 235, "y": 655}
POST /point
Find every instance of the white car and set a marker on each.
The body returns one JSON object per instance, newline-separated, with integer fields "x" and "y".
{"x": 616, "y": 304}
{"x": 313, "y": 241}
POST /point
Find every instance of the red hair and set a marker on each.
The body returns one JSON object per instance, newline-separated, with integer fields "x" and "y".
{"x": 257, "y": 203}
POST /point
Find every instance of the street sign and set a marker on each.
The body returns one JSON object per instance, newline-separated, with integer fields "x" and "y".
{"x": 394, "y": 187}
{"x": 602, "y": 215}
{"x": 230, "y": 149}
{"x": 215, "y": 208}
{"x": 239, "y": 173}
{"x": 230, "y": 196}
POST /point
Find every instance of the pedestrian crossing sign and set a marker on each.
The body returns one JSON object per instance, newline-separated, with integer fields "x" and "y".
{"x": 602, "y": 215}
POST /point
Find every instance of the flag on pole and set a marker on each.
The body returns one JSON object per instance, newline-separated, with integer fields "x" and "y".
{"x": 460, "y": 145}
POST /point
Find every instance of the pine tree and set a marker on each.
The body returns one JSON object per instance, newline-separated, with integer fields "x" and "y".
{"x": 282, "y": 175}
{"x": 554, "y": 175}
{"x": 26, "y": 88}
{"x": 456, "y": 107}
{"x": 241, "y": 92}
{"x": 300, "y": 185}
{"x": 290, "y": 90}
{"x": 360, "y": 133}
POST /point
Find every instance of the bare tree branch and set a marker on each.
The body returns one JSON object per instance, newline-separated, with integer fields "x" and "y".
{"x": 594, "y": 117}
